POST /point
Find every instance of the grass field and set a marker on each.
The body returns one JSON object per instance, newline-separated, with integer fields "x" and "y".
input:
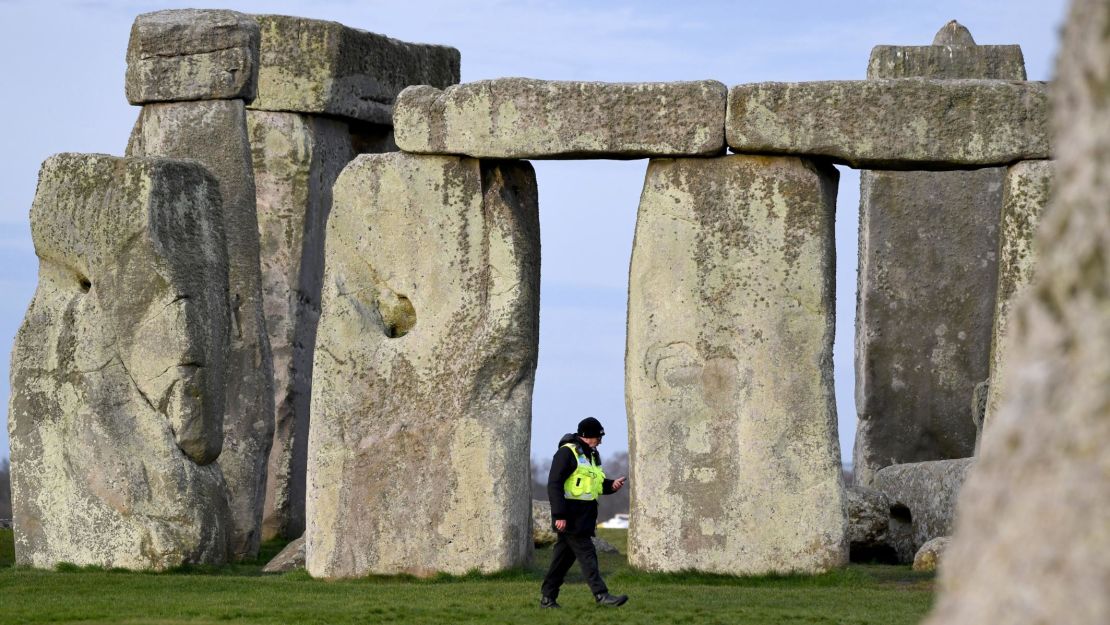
{"x": 884, "y": 595}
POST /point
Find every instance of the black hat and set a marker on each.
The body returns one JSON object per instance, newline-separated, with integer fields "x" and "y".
{"x": 590, "y": 428}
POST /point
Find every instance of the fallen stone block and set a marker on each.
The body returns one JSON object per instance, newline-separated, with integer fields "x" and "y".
{"x": 425, "y": 358}
{"x": 191, "y": 54}
{"x": 927, "y": 276}
{"x": 893, "y": 124}
{"x": 542, "y": 533}
{"x": 732, "y": 427}
{"x": 929, "y": 491}
{"x": 118, "y": 369}
{"x": 291, "y": 558}
{"x": 1031, "y": 540}
{"x": 929, "y": 556}
{"x": 214, "y": 133}
{"x": 525, "y": 118}
{"x": 603, "y": 546}
{"x": 1028, "y": 189}
{"x": 316, "y": 66}
{"x": 876, "y": 533}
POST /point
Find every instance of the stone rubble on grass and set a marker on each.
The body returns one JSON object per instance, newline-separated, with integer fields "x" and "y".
{"x": 929, "y": 491}
{"x": 118, "y": 369}
{"x": 542, "y": 534}
{"x": 291, "y": 558}
{"x": 732, "y": 426}
{"x": 421, "y": 406}
{"x": 929, "y": 556}
{"x": 525, "y": 118}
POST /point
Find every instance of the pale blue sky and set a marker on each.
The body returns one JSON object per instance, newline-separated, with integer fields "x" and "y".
{"x": 63, "y": 67}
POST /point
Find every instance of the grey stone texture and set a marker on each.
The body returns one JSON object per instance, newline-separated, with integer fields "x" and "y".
{"x": 291, "y": 558}
{"x": 874, "y": 532}
{"x": 316, "y": 66}
{"x": 192, "y": 54}
{"x": 925, "y": 306}
{"x": 542, "y": 534}
{"x": 214, "y": 133}
{"x": 425, "y": 359}
{"x": 118, "y": 369}
{"x": 1028, "y": 189}
{"x": 929, "y": 490}
{"x": 1032, "y": 535}
{"x": 929, "y": 556}
{"x": 728, "y": 373}
{"x": 296, "y": 160}
{"x": 526, "y": 118}
{"x": 953, "y": 55}
{"x": 893, "y": 124}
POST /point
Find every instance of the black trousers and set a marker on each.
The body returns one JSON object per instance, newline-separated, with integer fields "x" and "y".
{"x": 569, "y": 548}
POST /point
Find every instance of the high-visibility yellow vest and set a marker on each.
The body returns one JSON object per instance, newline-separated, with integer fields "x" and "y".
{"x": 586, "y": 482}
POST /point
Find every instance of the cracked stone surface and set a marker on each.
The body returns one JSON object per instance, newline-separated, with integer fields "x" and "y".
{"x": 118, "y": 369}
{"x": 191, "y": 54}
{"x": 731, "y": 420}
{"x": 526, "y": 118}
{"x": 425, "y": 358}
{"x": 1032, "y": 531}
{"x": 214, "y": 133}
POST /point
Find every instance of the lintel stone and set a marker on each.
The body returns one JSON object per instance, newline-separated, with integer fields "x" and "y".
{"x": 526, "y": 118}
{"x": 893, "y": 124}
{"x": 322, "y": 67}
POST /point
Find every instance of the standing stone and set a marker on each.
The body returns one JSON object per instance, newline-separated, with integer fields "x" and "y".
{"x": 732, "y": 423}
{"x": 426, "y": 354}
{"x": 525, "y": 118}
{"x": 191, "y": 54}
{"x": 928, "y": 244}
{"x": 118, "y": 370}
{"x": 296, "y": 159}
{"x": 1034, "y": 520}
{"x": 214, "y": 133}
{"x": 316, "y": 66}
{"x": 928, "y": 492}
{"x": 1028, "y": 189}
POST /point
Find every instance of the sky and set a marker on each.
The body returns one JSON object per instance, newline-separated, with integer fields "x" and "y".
{"x": 63, "y": 68}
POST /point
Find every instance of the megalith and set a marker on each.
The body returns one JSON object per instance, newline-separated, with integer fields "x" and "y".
{"x": 728, "y": 373}
{"x": 1028, "y": 188}
{"x": 1032, "y": 525}
{"x": 928, "y": 262}
{"x": 425, "y": 359}
{"x": 325, "y": 94}
{"x": 214, "y": 133}
{"x": 118, "y": 369}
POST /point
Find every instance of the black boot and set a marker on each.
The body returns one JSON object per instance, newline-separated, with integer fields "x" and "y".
{"x": 606, "y": 599}
{"x": 548, "y": 602}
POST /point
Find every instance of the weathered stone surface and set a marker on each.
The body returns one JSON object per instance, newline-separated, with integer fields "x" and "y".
{"x": 604, "y": 546}
{"x": 925, "y": 306}
{"x": 296, "y": 159}
{"x": 542, "y": 534}
{"x": 118, "y": 369}
{"x": 1028, "y": 190}
{"x": 732, "y": 426}
{"x": 928, "y": 557}
{"x": 214, "y": 133}
{"x": 952, "y": 55}
{"x": 288, "y": 559}
{"x": 191, "y": 54}
{"x": 874, "y": 533}
{"x": 1031, "y": 541}
{"x": 893, "y": 124}
{"x": 422, "y": 383}
{"x": 979, "y": 409}
{"x": 316, "y": 66}
{"x": 929, "y": 491}
{"x": 525, "y": 118}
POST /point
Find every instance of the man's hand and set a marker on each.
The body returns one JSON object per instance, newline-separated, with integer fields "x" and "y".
{"x": 560, "y": 525}
{"x": 619, "y": 483}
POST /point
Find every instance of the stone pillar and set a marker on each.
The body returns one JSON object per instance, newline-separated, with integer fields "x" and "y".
{"x": 118, "y": 370}
{"x": 928, "y": 244}
{"x": 325, "y": 94}
{"x": 1027, "y": 192}
{"x": 426, "y": 354}
{"x": 731, "y": 417}
{"x": 209, "y": 125}
{"x": 1032, "y": 528}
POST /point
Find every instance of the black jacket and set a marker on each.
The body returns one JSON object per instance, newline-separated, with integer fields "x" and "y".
{"x": 581, "y": 516}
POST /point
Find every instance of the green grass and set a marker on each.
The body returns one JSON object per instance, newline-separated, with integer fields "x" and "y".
{"x": 859, "y": 594}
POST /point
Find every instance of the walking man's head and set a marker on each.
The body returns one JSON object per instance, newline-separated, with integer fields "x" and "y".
{"x": 590, "y": 431}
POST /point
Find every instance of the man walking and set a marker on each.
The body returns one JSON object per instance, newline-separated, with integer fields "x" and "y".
{"x": 573, "y": 486}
